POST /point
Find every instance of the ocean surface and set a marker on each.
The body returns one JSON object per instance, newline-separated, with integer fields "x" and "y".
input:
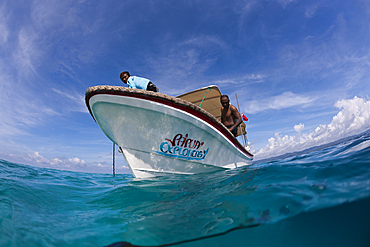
{"x": 315, "y": 198}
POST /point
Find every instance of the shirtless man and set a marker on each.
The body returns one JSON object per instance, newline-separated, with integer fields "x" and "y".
{"x": 230, "y": 116}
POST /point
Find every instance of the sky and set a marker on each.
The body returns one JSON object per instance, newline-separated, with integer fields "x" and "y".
{"x": 300, "y": 69}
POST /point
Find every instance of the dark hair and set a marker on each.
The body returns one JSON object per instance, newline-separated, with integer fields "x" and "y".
{"x": 224, "y": 95}
{"x": 124, "y": 72}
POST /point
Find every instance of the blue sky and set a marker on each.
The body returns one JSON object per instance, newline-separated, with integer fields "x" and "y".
{"x": 300, "y": 69}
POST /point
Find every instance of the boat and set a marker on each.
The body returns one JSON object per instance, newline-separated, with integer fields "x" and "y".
{"x": 160, "y": 134}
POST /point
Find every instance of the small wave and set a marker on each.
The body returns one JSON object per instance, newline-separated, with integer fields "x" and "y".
{"x": 63, "y": 208}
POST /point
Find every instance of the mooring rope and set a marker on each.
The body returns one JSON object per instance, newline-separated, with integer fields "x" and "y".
{"x": 114, "y": 148}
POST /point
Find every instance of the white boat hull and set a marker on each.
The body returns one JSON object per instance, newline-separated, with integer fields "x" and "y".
{"x": 159, "y": 137}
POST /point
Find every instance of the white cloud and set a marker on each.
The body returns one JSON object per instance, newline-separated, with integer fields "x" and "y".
{"x": 78, "y": 100}
{"x": 284, "y": 3}
{"x": 76, "y": 161}
{"x": 311, "y": 10}
{"x": 21, "y": 107}
{"x": 39, "y": 160}
{"x": 354, "y": 118}
{"x": 298, "y": 128}
{"x": 27, "y": 51}
{"x": 21, "y": 104}
{"x": 206, "y": 40}
{"x": 178, "y": 60}
{"x": 36, "y": 157}
{"x": 46, "y": 14}
{"x": 61, "y": 163}
{"x": 243, "y": 80}
{"x": 284, "y": 100}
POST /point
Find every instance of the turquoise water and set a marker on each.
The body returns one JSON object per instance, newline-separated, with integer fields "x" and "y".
{"x": 317, "y": 198}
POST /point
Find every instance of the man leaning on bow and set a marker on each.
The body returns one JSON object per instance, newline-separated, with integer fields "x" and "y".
{"x": 137, "y": 82}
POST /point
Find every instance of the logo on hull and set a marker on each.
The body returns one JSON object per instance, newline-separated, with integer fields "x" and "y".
{"x": 183, "y": 147}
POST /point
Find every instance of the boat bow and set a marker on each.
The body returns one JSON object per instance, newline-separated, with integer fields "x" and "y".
{"x": 160, "y": 134}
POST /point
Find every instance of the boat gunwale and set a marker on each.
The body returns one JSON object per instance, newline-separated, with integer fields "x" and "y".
{"x": 171, "y": 101}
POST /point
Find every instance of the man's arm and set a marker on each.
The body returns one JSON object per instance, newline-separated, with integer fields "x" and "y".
{"x": 236, "y": 114}
{"x": 222, "y": 117}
